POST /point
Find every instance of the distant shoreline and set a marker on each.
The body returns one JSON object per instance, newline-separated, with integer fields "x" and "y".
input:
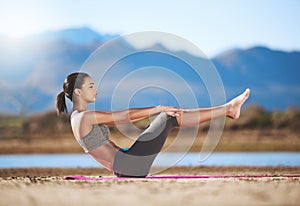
{"x": 267, "y": 140}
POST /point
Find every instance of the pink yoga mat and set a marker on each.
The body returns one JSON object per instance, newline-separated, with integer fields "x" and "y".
{"x": 76, "y": 177}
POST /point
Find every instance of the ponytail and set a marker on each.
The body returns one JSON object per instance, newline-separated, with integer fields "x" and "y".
{"x": 61, "y": 106}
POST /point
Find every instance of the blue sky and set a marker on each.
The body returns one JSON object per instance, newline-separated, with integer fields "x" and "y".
{"x": 212, "y": 25}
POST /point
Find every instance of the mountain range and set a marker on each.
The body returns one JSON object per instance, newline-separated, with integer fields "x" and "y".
{"x": 34, "y": 68}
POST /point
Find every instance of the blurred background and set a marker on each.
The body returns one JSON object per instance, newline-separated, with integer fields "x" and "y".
{"x": 252, "y": 44}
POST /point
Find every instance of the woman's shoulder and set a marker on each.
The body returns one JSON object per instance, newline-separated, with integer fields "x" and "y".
{"x": 76, "y": 114}
{"x": 91, "y": 117}
{"x": 86, "y": 114}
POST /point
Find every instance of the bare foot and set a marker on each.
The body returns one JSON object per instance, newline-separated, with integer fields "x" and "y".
{"x": 234, "y": 106}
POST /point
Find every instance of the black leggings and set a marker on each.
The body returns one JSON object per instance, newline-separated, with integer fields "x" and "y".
{"x": 137, "y": 160}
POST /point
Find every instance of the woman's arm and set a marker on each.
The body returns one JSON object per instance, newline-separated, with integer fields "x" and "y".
{"x": 125, "y": 116}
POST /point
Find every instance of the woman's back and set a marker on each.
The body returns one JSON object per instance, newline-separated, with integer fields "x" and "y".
{"x": 94, "y": 139}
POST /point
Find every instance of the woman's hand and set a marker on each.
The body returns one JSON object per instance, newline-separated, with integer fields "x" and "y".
{"x": 171, "y": 111}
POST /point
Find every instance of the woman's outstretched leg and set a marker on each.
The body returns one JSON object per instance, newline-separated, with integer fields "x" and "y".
{"x": 136, "y": 162}
{"x": 193, "y": 117}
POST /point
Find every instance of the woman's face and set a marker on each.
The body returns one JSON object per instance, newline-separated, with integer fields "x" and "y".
{"x": 88, "y": 90}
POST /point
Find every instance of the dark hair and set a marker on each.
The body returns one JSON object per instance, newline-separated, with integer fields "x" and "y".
{"x": 73, "y": 81}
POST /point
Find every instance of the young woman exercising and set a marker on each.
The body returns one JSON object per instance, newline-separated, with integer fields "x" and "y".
{"x": 91, "y": 131}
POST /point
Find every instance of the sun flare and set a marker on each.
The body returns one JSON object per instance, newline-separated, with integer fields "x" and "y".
{"x": 18, "y": 23}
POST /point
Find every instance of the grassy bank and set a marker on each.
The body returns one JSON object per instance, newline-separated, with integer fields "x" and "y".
{"x": 243, "y": 140}
{"x": 256, "y": 130}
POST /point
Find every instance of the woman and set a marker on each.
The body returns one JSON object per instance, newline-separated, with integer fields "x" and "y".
{"x": 91, "y": 131}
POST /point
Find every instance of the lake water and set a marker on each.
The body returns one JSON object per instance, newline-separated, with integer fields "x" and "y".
{"x": 164, "y": 159}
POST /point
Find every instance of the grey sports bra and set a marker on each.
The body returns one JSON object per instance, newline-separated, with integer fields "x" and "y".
{"x": 98, "y": 136}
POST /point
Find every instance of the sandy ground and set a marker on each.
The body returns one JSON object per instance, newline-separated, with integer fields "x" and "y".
{"x": 47, "y": 186}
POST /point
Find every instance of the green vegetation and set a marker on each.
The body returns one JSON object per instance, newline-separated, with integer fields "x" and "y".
{"x": 23, "y": 127}
{"x": 39, "y": 125}
{"x": 255, "y": 117}
{"x": 256, "y": 130}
